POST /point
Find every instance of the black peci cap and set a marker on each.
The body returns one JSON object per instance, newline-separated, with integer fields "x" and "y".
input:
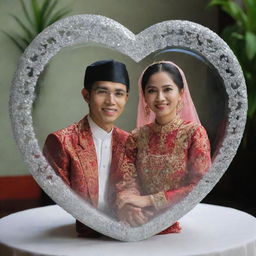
{"x": 106, "y": 70}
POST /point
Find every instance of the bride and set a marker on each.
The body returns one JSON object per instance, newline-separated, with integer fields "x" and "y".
{"x": 170, "y": 152}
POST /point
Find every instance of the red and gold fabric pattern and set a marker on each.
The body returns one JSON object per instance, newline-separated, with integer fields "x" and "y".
{"x": 167, "y": 161}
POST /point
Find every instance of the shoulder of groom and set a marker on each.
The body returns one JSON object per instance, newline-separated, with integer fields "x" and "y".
{"x": 122, "y": 134}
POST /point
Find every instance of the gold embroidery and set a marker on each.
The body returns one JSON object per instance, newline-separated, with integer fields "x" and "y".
{"x": 162, "y": 165}
{"x": 165, "y": 158}
{"x": 174, "y": 124}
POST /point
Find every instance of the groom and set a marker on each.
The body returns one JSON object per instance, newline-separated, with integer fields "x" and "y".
{"x": 86, "y": 154}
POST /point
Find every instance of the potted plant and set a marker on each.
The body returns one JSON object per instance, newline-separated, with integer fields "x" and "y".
{"x": 240, "y": 35}
{"x": 37, "y": 18}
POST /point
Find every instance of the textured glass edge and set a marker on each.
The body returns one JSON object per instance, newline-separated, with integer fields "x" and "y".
{"x": 83, "y": 29}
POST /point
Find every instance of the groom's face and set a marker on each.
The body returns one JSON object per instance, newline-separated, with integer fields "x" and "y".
{"x": 106, "y": 102}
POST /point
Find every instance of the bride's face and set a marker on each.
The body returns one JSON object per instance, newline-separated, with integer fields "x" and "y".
{"x": 162, "y": 96}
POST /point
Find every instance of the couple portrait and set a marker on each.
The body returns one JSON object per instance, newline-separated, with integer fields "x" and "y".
{"x": 132, "y": 175}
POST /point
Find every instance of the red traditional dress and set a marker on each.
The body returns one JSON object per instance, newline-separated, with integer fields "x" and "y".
{"x": 165, "y": 162}
{"x": 72, "y": 154}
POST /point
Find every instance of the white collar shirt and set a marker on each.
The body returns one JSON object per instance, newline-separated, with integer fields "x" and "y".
{"x": 103, "y": 145}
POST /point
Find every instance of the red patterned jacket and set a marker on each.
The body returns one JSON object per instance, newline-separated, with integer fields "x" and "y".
{"x": 72, "y": 154}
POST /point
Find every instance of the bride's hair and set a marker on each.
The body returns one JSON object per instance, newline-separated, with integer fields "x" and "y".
{"x": 170, "y": 69}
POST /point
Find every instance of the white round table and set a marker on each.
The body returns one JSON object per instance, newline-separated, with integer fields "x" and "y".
{"x": 206, "y": 230}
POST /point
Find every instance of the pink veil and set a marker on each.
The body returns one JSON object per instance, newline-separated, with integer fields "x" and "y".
{"x": 187, "y": 113}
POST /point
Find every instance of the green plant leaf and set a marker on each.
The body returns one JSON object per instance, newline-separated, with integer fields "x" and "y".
{"x": 229, "y": 31}
{"x": 45, "y": 6}
{"x": 216, "y": 2}
{"x": 15, "y": 41}
{"x": 50, "y": 9}
{"x": 233, "y": 10}
{"x": 26, "y": 13}
{"x": 250, "y": 3}
{"x": 23, "y": 26}
{"x": 237, "y": 36}
{"x": 59, "y": 14}
{"x": 252, "y": 104}
{"x": 43, "y": 11}
{"x": 241, "y": 38}
{"x": 25, "y": 41}
{"x": 250, "y": 6}
{"x": 250, "y": 44}
{"x": 235, "y": 39}
{"x": 247, "y": 75}
{"x": 37, "y": 16}
{"x": 36, "y": 19}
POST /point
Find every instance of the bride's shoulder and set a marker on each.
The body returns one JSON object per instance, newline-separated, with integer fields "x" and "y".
{"x": 191, "y": 127}
{"x": 135, "y": 133}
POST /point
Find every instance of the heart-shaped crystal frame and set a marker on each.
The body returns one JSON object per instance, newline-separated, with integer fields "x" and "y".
{"x": 87, "y": 29}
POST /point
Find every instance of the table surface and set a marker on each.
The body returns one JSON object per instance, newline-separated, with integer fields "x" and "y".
{"x": 206, "y": 230}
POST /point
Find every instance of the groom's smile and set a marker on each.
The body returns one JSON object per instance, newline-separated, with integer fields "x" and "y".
{"x": 106, "y": 101}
